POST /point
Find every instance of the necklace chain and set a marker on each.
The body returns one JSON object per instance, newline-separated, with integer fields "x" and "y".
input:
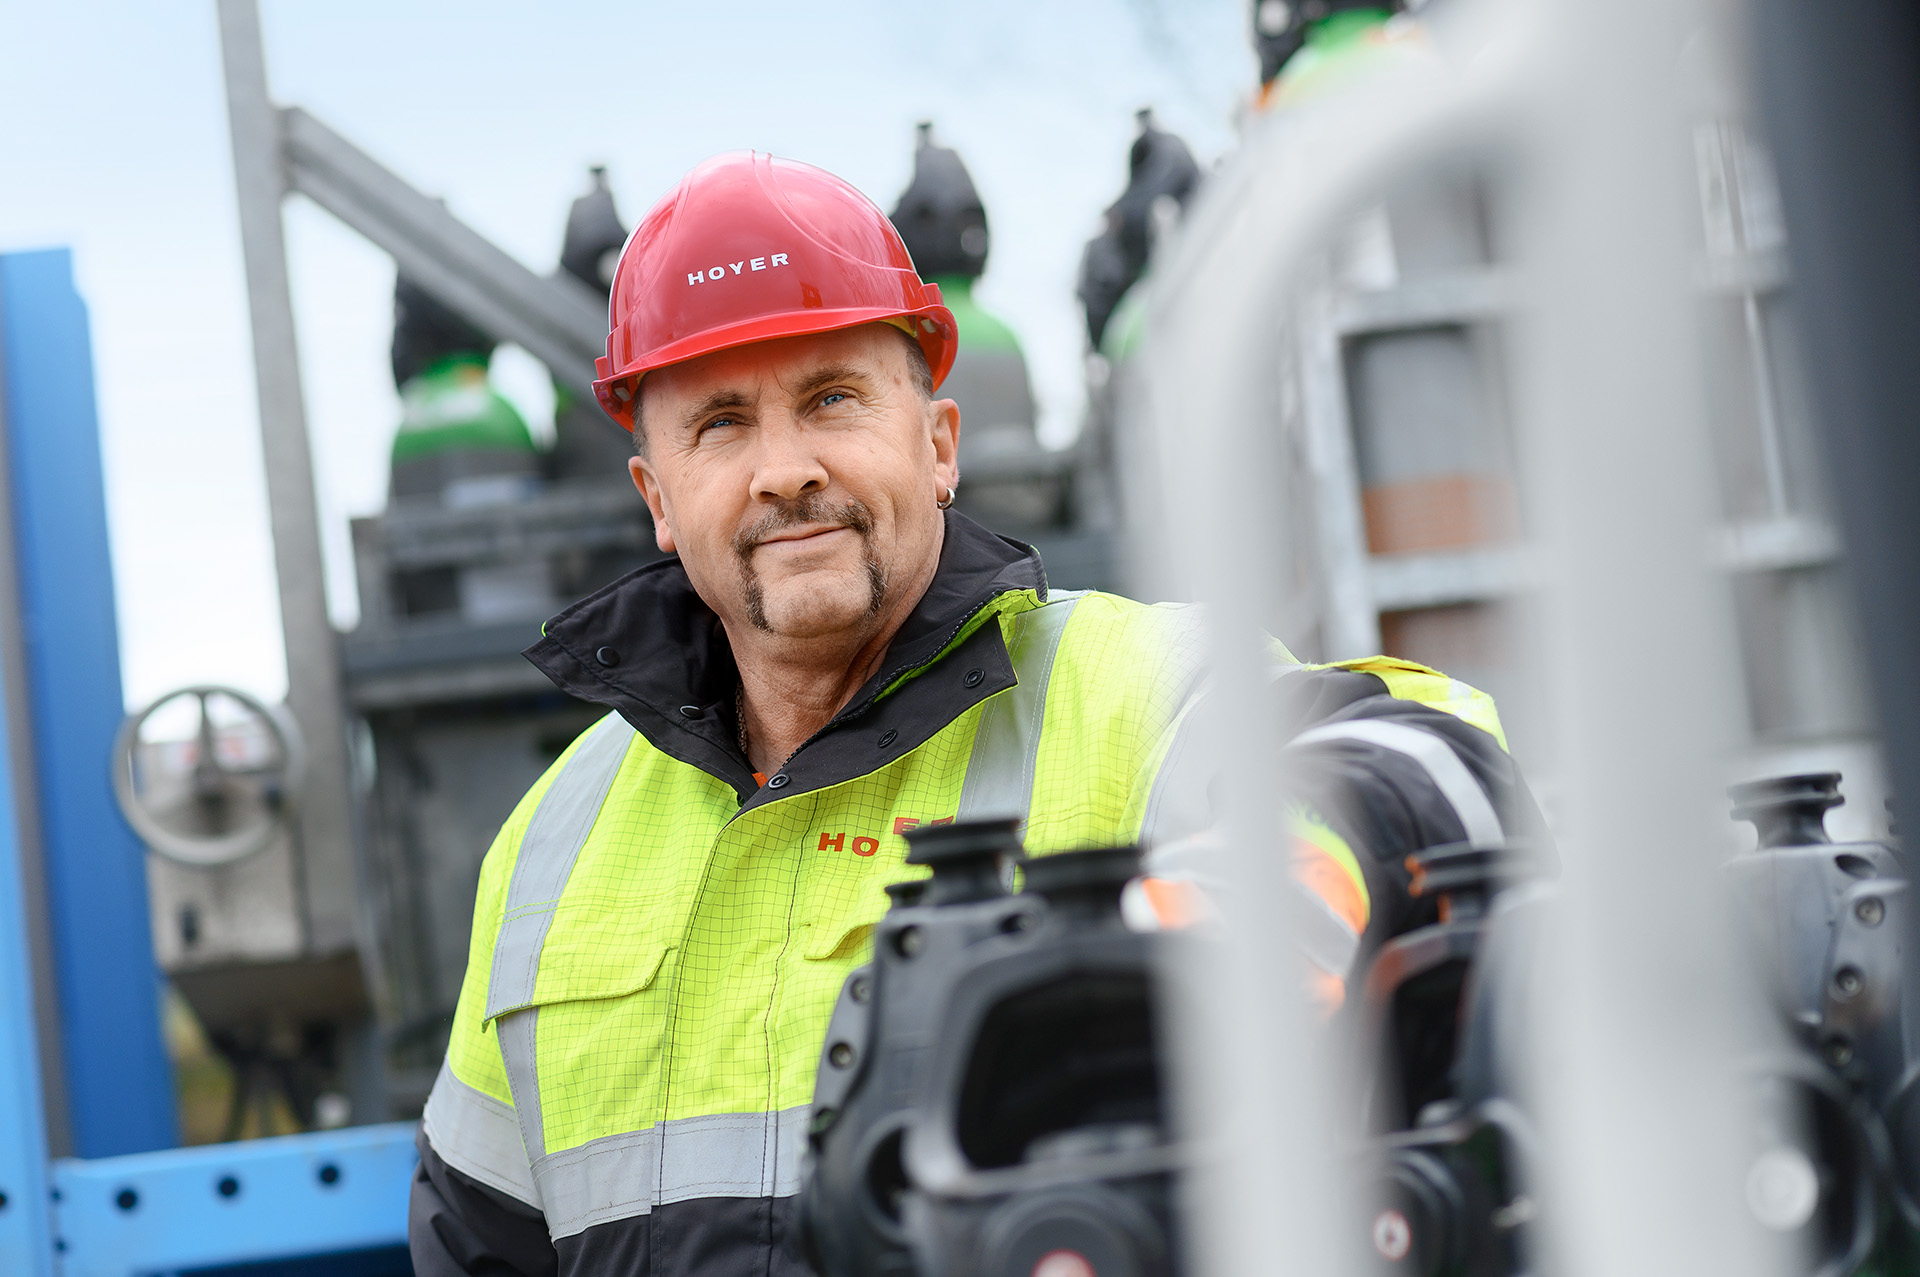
{"x": 740, "y": 724}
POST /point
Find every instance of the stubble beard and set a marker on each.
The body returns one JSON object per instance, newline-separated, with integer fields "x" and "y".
{"x": 815, "y": 509}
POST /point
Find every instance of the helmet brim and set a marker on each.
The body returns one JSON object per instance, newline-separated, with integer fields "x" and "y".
{"x": 935, "y": 329}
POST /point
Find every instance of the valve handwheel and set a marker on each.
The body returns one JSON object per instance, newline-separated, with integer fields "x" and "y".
{"x": 223, "y": 794}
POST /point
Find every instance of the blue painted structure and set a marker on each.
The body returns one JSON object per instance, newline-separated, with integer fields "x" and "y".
{"x": 25, "y": 1239}
{"x": 299, "y": 1195}
{"x": 119, "y": 1081}
{"x": 332, "y": 1204}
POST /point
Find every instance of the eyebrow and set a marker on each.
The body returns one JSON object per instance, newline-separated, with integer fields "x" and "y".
{"x": 830, "y": 373}
{"x": 714, "y": 402}
{"x": 825, "y": 375}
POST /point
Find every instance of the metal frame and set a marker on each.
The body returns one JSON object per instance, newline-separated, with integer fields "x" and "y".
{"x": 1600, "y": 220}
{"x": 1360, "y": 585}
{"x": 1837, "y": 88}
{"x": 324, "y": 836}
{"x": 23, "y": 812}
{"x": 291, "y": 1197}
{"x": 558, "y": 319}
{"x": 279, "y": 151}
{"x": 65, "y": 705}
{"x": 147, "y": 1211}
{"x": 26, "y": 1241}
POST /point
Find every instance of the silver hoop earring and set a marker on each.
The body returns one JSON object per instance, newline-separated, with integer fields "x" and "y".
{"x": 949, "y": 501}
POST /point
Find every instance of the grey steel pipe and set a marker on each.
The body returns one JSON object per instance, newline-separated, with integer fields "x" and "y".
{"x": 315, "y": 697}
{"x": 1636, "y": 1077}
{"x": 1839, "y": 86}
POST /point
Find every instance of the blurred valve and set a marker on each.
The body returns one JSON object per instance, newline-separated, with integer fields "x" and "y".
{"x": 208, "y": 775}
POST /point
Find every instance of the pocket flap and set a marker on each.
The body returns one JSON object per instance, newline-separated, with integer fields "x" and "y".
{"x": 836, "y": 939}
{"x": 544, "y": 956}
{"x": 843, "y": 926}
{"x": 571, "y": 975}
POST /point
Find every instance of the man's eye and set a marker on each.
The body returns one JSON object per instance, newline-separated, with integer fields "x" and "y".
{"x": 831, "y": 398}
{"x": 719, "y": 423}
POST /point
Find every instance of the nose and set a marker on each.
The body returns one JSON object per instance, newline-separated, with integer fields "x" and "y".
{"x": 786, "y": 465}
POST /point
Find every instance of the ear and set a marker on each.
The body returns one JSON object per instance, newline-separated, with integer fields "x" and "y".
{"x": 649, "y": 485}
{"x": 943, "y": 420}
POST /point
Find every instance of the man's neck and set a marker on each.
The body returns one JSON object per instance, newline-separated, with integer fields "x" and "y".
{"x": 791, "y": 688}
{"x": 787, "y": 696}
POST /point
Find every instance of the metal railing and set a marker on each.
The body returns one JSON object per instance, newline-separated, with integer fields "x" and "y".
{"x": 1571, "y": 112}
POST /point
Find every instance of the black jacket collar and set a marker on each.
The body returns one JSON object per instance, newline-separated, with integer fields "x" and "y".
{"x": 649, "y": 648}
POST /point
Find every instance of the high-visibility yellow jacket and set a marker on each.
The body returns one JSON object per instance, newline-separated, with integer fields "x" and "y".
{"x": 658, "y": 939}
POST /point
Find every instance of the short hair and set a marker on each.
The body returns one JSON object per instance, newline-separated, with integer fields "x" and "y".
{"x": 919, "y": 371}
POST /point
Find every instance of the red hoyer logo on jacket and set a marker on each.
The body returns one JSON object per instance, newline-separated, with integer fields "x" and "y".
{"x": 864, "y": 845}
{"x": 736, "y": 268}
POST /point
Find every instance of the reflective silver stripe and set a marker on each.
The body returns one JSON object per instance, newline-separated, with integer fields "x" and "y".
{"x": 733, "y": 1155}
{"x": 552, "y": 843}
{"x": 1449, "y": 775}
{"x": 516, "y": 1032}
{"x": 622, "y": 1176}
{"x": 548, "y": 850}
{"x": 1007, "y": 744}
{"x": 478, "y": 1136}
{"x": 1322, "y": 934}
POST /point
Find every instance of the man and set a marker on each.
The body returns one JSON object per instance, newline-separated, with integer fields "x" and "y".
{"x": 663, "y": 924}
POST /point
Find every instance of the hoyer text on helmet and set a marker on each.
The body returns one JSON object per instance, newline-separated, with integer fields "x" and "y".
{"x": 720, "y": 272}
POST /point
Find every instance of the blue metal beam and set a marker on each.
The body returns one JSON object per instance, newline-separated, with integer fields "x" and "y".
{"x": 299, "y": 1195}
{"x": 340, "y": 1194}
{"x": 25, "y": 1226}
{"x": 119, "y": 1080}
{"x": 25, "y": 1241}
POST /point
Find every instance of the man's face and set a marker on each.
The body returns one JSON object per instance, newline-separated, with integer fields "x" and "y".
{"x": 797, "y": 478}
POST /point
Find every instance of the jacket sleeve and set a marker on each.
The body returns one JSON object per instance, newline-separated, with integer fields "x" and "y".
{"x": 459, "y": 1227}
{"x": 1393, "y": 775}
{"x": 1384, "y": 758}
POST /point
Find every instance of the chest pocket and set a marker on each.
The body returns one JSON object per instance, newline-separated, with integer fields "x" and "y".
{"x": 569, "y": 933}
{"x": 584, "y": 953}
{"x": 838, "y": 938}
{"x": 844, "y": 913}
{"x": 602, "y": 956}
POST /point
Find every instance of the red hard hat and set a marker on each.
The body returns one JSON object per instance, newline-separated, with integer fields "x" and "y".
{"x": 748, "y": 248}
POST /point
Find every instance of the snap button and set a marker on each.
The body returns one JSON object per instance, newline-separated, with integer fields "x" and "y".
{"x": 689, "y": 711}
{"x": 606, "y": 656}
{"x": 971, "y": 680}
{"x": 889, "y": 738}
{"x": 779, "y": 780}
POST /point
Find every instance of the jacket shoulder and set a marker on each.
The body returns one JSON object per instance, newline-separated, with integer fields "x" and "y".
{"x": 1410, "y": 681}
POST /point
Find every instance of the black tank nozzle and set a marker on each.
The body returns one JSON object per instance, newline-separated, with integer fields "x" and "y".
{"x": 940, "y": 217}
{"x": 590, "y": 249}
{"x": 966, "y": 859}
{"x": 1084, "y": 883}
{"x": 1788, "y": 811}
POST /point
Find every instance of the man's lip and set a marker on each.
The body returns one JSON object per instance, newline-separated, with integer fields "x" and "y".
{"x": 802, "y": 533}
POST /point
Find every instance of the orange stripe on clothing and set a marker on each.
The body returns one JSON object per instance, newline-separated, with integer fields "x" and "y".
{"x": 1319, "y": 872}
{"x": 1175, "y": 904}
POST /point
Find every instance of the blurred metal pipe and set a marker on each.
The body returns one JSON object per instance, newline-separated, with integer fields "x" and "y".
{"x": 558, "y": 319}
{"x": 1839, "y": 88}
{"x": 1637, "y": 1080}
{"x": 314, "y": 693}
{"x": 1253, "y": 1082}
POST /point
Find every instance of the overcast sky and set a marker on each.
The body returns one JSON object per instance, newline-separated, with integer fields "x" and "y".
{"x": 113, "y": 141}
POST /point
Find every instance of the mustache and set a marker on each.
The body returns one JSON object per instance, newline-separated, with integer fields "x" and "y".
{"x": 814, "y": 510}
